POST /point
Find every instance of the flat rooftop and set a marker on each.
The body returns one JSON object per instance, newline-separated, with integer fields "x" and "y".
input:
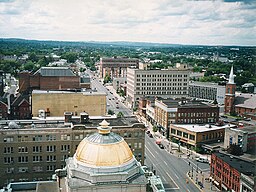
{"x": 245, "y": 167}
{"x": 85, "y": 92}
{"x": 202, "y": 128}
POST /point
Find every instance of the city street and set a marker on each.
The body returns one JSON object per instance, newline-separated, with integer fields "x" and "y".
{"x": 114, "y": 101}
{"x": 170, "y": 168}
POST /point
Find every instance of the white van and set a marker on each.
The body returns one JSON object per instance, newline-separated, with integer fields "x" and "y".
{"x": 202, "y": 159}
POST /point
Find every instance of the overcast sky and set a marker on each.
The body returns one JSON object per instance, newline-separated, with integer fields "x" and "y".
{"x": 227, "y": 22}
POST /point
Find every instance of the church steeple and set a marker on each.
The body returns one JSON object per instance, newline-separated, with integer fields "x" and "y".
{"x": 231, "y": 76}
{"x": 230, "y": 94}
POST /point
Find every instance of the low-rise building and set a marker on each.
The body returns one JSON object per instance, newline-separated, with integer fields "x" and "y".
{"x": 245, "y": 105}
{"x": 184, "y": 111}
{"x": 245, "y": 137}
{"x": 193, "y": 135}
{"x": 226, "y": 172}
{"x": 55, "y": 103}
{"x": 33, "y": 149}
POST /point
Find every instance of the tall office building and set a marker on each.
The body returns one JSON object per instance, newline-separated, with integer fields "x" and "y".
{"x": 165, "y": 83}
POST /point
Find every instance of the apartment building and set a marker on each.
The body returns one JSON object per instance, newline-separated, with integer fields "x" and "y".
{"x": 116, "y": 67}
{"x": 166, "y": 83}
{"x": 183, "y": 111}
{"x": 230, "y": 173}
{"x": 207, "y": 91}
{"x": 33, "y": 149}
{"x": 55, "y": 103}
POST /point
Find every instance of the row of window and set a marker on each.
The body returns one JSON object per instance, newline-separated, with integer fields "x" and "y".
{"x": 37, "y": 149}
{"x": 161, "y": 93}
{"x": 163, "y": 87}
{"x": 37, "y": 158}
{"x": 182, "y": 134}
{"x": 26, "y": 169}
{"x": 163, "y": 80}
{"x": 161, "y": 75}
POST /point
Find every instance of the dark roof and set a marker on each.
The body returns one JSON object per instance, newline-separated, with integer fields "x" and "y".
{"x": 55, "y": 71}
{"x": 19, "y": 99}
{"x": 181, "y": 103}
{"x": 246, "y": 101}
{"x": 245, "y": 167}
{"x": 85, "y": 79}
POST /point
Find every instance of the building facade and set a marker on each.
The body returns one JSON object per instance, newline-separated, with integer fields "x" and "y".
{"x": 55, "y": 103}
{"x": 34, "y": 149}
{"x": 116, "y": 67}
{"x": 226, "y": 170}
{"x": 207, "y": 91}
{"x": 49, "y": 78}
{"x": 245, "y": 137}
{"x": 196, "y": 135}
{"x": 166, "y": 83}
{"x": 183, "y": 111}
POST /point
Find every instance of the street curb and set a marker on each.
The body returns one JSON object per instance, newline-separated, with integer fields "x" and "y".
{"x": 194, "y": 183}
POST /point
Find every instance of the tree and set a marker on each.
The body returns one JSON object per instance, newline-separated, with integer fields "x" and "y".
{"x": 119, "y": 114}
{"x": 107, "y": 78}
{"x": 155, "y": 129}
{"x": 110, "y": 112}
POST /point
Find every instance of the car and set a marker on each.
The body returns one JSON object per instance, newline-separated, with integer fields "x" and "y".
{"x": 113, "y": 98}
{"x": 117, "y": 103}
{"x": 117, "y": 107}
{"x": 148, "y": 131}
{"x": 161, "y": 146}
{"x": 109, "y": 98}
{"x": 202, "y": 159}
{"x": 150, "y": 135}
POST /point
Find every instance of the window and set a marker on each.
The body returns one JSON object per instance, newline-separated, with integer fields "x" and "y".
{"x": 140, "y": 145}
{"x": 50, "y": 137}
{"x": 23, "y": 149}
{"x": 23, "y": 159}
{"x": 192, "y": 137}
{"x": 22, "y": 138}
{"x": 50, "y": 167}
{"x": 64, "y": 157}
{"x": 65, "y": 137}
{"x": 37, "y": 158}
{"x": 23, "y": 169}
{"x": 37, "y": 149}
{"x": 8, "y": 150}
{"x": 37, "y": 169}
{"x": 8, "y": 139}
{"x": 9, "y": 170}
{"x": 185, "y": 135}
{"x": 135, "y": 145}
{"x": 51, "y": 148}
{"x": 51, "y": 158}
{"x": 179, "y": 133}
{"x": 65, "y": 147}
{"x": 8, "y": 160}
{"x": 37, "y": 138}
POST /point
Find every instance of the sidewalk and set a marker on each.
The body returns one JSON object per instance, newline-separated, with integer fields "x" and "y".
{"x": 199, "y": 178}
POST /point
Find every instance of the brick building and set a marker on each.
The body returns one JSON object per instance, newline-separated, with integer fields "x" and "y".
{"x": 49, "y": 78}
{"x": 34, "y": 149}
{"x": 226, "y": 171}
{"x": 184, "y": 111}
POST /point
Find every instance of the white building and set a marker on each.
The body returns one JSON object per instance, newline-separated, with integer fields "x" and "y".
{"x": 207, "y": 91}
{"x": 166, "y": 83}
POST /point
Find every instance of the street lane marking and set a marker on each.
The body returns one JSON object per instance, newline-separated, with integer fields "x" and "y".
{"x": 165, "y": 163}
{"x": 172, "y": 180}
{"x": 176, "y": 175}
{"x": 156, "y": 152}
{"x": 150, "y": 152}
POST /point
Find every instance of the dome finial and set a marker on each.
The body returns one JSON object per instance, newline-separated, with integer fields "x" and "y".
{"x": 104, "y": 127}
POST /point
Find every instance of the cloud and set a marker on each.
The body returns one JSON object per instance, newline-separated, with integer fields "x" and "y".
{"x": 187, "y": 22}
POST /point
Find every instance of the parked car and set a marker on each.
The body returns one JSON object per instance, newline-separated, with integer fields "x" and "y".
{"x": 148, "y": 131}
{"x": 150, "y": 135}
{"x": 161, "y": 146}
{"x": 202, "y": 159}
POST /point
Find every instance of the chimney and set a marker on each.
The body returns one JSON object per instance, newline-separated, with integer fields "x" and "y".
{"x": 68, "y": 117}
{"x": 84, "y": 117}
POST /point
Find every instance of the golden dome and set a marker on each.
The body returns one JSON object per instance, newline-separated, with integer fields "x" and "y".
{"x": 104, "y": 148}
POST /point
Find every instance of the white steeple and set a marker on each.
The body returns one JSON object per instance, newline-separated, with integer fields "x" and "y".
{"x": 231, "y": 76}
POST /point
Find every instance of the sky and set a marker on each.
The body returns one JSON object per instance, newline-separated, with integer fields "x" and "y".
{"x": 194, "y": 22}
